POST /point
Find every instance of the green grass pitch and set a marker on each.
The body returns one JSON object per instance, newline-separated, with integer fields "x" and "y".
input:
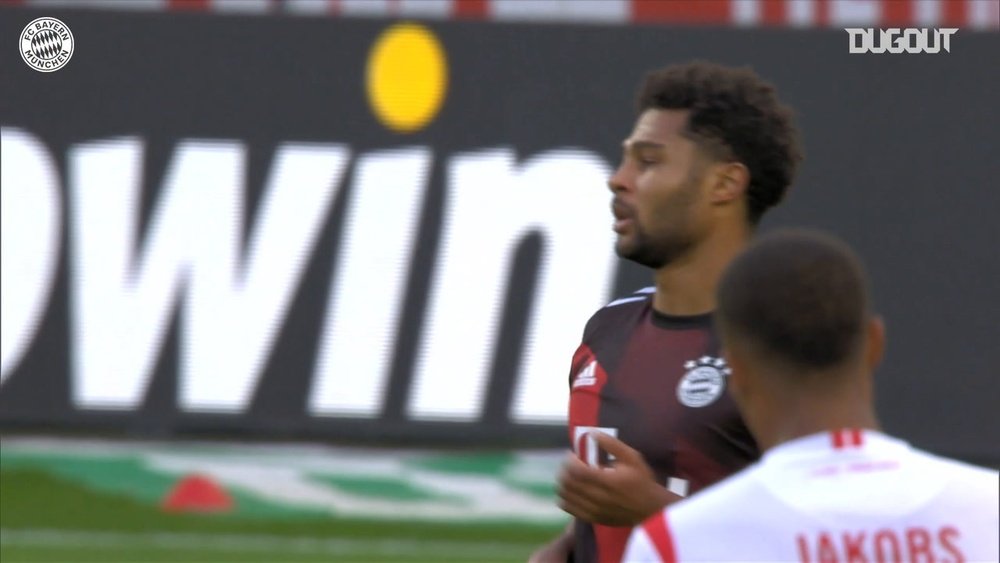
{"x": 44, "y": 518}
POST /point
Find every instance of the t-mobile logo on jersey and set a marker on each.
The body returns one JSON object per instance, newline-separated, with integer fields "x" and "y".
{"x": 586, "y": 447}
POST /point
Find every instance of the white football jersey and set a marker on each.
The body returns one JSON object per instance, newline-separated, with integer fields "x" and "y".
{"x": 847, "y": 496}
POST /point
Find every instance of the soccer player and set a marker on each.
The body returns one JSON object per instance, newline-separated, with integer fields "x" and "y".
{"x": 711, "y": 150}
{"x": 802, "y": 344}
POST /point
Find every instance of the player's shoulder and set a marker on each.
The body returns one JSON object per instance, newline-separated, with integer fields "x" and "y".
{"x": 708, "y": 505}
{"x": 966, "y": 475}
{"x": 625, "y": 305}
{"x": 619, "y": 310}
{"x": 694, "y": 523}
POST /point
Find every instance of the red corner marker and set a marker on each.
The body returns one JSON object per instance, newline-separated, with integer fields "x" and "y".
{"x": 197, "y": 493}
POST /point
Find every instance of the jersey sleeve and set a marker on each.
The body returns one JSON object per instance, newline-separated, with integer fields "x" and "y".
{"x": 599, "y": 317}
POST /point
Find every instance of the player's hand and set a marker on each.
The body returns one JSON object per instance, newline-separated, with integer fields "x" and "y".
{"x": 622, "y": 495}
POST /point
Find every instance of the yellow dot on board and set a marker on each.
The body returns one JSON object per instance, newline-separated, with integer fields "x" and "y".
{"x": 406, "y": 77}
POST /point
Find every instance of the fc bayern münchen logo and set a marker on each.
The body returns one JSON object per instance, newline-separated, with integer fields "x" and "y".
{"x": 46, "y": 44}
{"x": 703, "y": 383}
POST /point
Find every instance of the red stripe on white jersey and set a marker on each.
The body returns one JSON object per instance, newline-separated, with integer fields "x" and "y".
{"x": 856, "y": 437}
{"x": 659, "y": 534}
{"x": 847, "y": 438}
{"x": 838, "y": 439}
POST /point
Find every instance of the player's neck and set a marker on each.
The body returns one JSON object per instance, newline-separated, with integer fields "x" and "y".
{"x": 687, "y": 285}
{"x": 807, "y": 416}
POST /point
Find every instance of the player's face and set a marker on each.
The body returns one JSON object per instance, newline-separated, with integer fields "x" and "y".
{"x": 658, "y": 205}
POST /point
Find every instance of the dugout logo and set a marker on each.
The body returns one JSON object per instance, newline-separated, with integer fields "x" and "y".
{"x": 896, "y": 40}
{"x": 703, "y": 383}
{"x": 46, "y": 44}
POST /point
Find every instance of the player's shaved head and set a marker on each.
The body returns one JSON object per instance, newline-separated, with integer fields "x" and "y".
{"x": 797, "y": 298}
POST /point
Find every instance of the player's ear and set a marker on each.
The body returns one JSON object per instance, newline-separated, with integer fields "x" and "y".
{"x": 730, "y": 181}
{"x": 875, "y": 345}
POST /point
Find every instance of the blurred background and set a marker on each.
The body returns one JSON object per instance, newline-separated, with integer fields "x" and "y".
{"x": 300, "y": 280}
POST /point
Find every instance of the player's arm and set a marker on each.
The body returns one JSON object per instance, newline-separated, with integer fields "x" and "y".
{"x": 622, "y": 495}
{"x": 557, "y": 550}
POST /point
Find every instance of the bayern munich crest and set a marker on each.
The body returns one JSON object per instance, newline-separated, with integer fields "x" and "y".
{"x": 46, "y": 44}
{"x": 704, "y": 381}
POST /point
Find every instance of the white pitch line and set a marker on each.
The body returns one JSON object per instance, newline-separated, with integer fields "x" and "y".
{"x": 258, "y": 543}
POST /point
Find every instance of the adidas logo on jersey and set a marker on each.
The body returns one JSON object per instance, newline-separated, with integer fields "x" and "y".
{"x": 586, "y": 376}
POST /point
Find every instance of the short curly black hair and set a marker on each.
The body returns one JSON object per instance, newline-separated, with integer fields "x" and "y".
{"x": 734, "y": 115}
{"x": 798, "y": 296}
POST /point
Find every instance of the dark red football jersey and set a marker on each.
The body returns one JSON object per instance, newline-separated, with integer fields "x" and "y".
{"x": 658, "y": 383}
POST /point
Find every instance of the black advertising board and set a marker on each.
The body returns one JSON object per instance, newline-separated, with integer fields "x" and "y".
{"x": 208, "y": 229}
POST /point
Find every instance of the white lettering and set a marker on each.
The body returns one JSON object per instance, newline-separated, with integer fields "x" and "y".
{"x": 942, "y": 37}
{"x": 127, "y": 281}
{"x": 125, "y": 296}
{"x": 861, "y": 39}
{"x": 892, "y": 40}
{"x": 29, "y": 240}
{"x": 885, "y": 40}
{"x": 895, "y": 40}
{"x": 235, "y": 311}
{"x": 913, "y": 40}
{"x": 369, "y": 283}
{"x": 120, "y": 307}
{"x": 490, "y": 207}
